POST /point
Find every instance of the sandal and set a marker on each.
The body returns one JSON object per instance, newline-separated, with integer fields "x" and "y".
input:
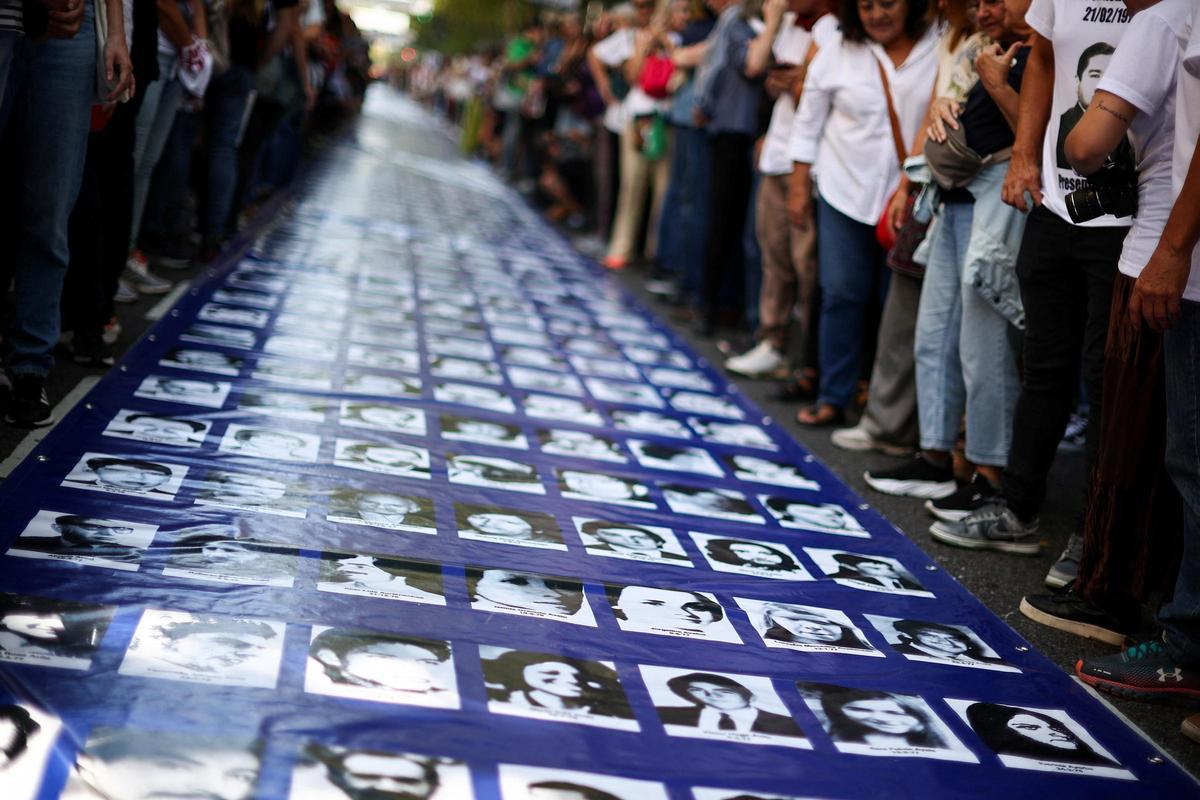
{"x": 821, "y": 416}
{"x": 800, "y": 388}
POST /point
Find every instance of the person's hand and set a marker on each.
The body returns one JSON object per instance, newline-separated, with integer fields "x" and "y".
{"x": 63, "y": 18}
{"x": 607, "y": 96}
{"x": 780, "y": 81}
{"x": 942, "y": 114}
{"x": 799, "y": 202}
{"x": 993, "y": 65}
{"x": 898, "y": 207}
{"x": 1024, "y": 176}
{"x": 772, "y": 12}
{"x": 118, "y": 69}
{"x": 1159, "y": 289}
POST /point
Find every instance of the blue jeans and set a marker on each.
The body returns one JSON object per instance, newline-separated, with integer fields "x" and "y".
{"x": 1180, "y": 618}
{"x": 53, "y": 109}
{"x": 168, "y": 191}
{"x": 155, "y": 120}
{"x": 966, "y": 352}
{"x": 753, "y": 256}
{"x": 686, "y": 208}
{"x": 225, "y": 105}
{"x": 853, "y": 273}
{"x": 10, "y": 55}
{"x": 670, "y": 238}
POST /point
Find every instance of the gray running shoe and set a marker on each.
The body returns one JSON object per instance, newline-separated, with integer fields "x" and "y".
{"x": 1066, "y": 569}
{"x": 993, "y": 527}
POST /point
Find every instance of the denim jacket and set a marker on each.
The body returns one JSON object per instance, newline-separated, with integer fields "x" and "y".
{"x": 992, "y": 251}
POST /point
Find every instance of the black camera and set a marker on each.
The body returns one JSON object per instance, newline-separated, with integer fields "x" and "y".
{"x": 1112, "y": 189}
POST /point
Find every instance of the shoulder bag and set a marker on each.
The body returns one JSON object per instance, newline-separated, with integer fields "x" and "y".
{"x": 902, "y": 244}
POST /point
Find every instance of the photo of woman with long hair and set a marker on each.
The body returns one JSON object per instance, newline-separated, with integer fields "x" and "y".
{"x": 549, "y": 686}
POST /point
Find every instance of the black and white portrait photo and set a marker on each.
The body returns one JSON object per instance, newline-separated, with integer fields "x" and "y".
{"x": 404, "y": 420}
{"x": 756, "y": 469}
{"x": 465, "y": 394}
{"x": 519, "y": 782}
{"x": 378, "y": 358}
{"x": 708, "y": 793}
{"x": 493, "y": 472}
{"x": 671, "y": 612}
{"x": 712, "y": 705}
{"x": 299, "y": 375}
{"x": 51, "y": 633}
{"x": 378, "y": 576}
{"x": 580, "y": 444}
{"x": 302, "y": 407}
{"x": 374, "y": 384}
{"x": 272, "y": 444}
{"x": 205, "y": 648}
{"x": 483, "y": 431}
{"x": 204, "y": 333}
{"x": 710, "y": 502}
{"x": 197, "y": 360}
{"x": 233, "y": 315}
{"x": 677, "y": 458}
{"x": 750, "y": 557}
{"x": 221, "y": 554}
{"x": 873, "y": 722}
{"x": 465, "y": 369}
{"x": 520, "y": 336}
{"x": 302, "y": 347}
{"x": 526, "y": 594}
{"x": 383, "y": 667}
{"x": 394, "y": 512}
{"x": 508, "y": 526}
{"x": 142, "y": 426}
{"x": 939, "y": 643}
{"x": 567, "y": 409}
{"x": 623, "y": 393}
{"x": 598, "y": 487}
{"x": 245, "y": 297}
{"x": 830, "y": 518}
{"x": 252, "y": 492}
{"x": 605, "y": 368}
{"x": 189, "y": 391}
{"x": 680, "y": 379}
{"x": 630, "y": 541}
{"x": 867, "y": 572}
{"x": 147, "y": 764}
{"x": 382, "y": 336}
{"x": 544, "y": 381}
{"x": 710, "y": 405}
{"x": 453, "y": 345}
{"x": 152, "y": 480}
{"x": 533, "y": 357}
{"x": 651, "y": 422}
{"x": 400, "y": 460}
{"x": 1039, "y": 739}
{"x": 334, "y": 772}
{"x": 652, "y": 357}
{"x": 806, "y": 628}
{"x": 27, "y": 737}
{"x": 561, "y": 688}
{"x": 92, "y": 541}
{"x": 741, "y": 434}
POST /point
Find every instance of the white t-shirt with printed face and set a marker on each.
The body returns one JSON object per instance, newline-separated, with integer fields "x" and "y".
{"x": 1143, "y": 73}
{"x": 1084, "y": 34}
{"x": 1187, "y": 131}
{"x": 790, "y": 47}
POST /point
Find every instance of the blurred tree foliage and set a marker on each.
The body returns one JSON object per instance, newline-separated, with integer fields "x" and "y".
{"x": 463, "y": 26}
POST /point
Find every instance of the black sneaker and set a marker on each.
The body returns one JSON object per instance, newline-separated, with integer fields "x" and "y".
{"x": 89, "y": 350}
{"x": 28, "y": 406}
{"x": 1066, "y": 610}
{"x": 1142, "y": 672}
{"x": 916, "y": 478}
{"x": 968, "y": 499}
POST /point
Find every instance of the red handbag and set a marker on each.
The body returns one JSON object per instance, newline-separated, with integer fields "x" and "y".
{"x": 655, "y": 79}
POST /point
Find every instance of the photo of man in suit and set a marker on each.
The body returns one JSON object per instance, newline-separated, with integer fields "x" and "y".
{"x": 720, "y": 704}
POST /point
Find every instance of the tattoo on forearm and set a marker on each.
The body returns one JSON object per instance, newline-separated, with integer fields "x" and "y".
{"x": 1100, "y": 105}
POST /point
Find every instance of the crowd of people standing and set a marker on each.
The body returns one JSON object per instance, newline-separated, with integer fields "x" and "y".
{"x": 945, "y": 226}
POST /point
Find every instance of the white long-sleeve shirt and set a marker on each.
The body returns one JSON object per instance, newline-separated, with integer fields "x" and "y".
{"x": 842, "y": 126}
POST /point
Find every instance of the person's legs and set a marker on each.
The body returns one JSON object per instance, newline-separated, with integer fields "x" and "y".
{"x": 155, "y": 122}
{"x": 10, "y": 53}
{"x": 631, "y": 198}
{"x": 850, "y": 264}
{"x": 225, "y": 104}
{"x": 169, "y": 187}
{"x": 659, "y": 175}
{"x": 751, "y": 255}
{"x": 53, "y": 108}
{"x": 729, "y": 199}
{"x": 695, "y": 211}
{"x": 670, "y": 219}
{"x": 777, "y": 296}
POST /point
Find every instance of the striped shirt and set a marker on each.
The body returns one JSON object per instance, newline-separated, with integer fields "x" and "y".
{"x": 11, "y": 16}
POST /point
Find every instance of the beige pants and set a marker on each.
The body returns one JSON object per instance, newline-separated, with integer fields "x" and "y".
{"x": 637, "y": 174}
{"x": 789, "y": 264}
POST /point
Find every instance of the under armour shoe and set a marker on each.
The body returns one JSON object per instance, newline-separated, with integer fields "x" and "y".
{"x": 992, "y": 527}
{"x": 1066, "y": 610}
{"x": 763, "y": 360}
{"x": 1142, "y": 672}
{"x": 967, "y": 500}
{"x": 1066, "y": 568}
{"x": 918, "y": 477}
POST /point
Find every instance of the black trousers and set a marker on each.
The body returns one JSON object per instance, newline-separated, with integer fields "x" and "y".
{"x": 1066, "y": 274}
{"x": 732, "y": 177}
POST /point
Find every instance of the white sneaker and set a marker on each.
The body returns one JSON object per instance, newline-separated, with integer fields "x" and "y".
{"x": 859, "y": 440}
{"x": 762, "y": 359}
{"x": 125, "y": 292}
{"x": 137, "y": 274}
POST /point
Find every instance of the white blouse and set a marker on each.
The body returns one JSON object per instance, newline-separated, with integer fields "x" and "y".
{"x": 842, "y": 126}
